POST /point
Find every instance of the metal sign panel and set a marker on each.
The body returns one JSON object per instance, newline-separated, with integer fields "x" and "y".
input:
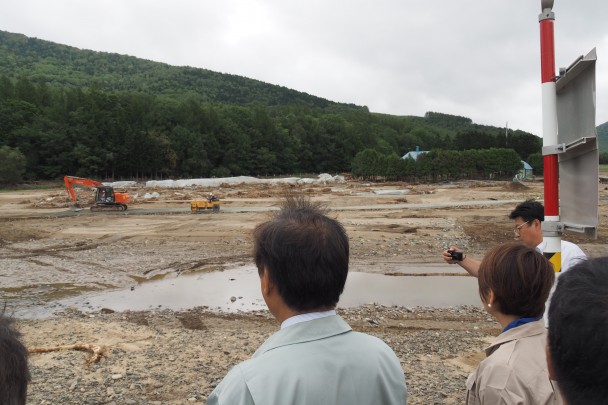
{"x": 579, "y": 160}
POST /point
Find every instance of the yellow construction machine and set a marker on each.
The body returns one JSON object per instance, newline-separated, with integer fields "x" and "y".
{"x": 210, "y": 203}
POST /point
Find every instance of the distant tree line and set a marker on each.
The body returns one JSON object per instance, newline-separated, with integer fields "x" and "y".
{"x": 438, "y": 165}
{"x": 50, "y": 131}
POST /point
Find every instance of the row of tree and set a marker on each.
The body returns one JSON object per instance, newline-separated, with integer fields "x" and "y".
{"x": 104, "y": 135}
{"x": 438, "y": 165}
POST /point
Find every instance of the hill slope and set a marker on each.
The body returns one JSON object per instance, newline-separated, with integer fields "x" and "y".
{"x": 47, "y": 62}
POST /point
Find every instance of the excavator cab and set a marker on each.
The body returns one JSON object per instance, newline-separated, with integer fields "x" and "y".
{"x": 106, "y": 199}
{"x": 104, "y": 195}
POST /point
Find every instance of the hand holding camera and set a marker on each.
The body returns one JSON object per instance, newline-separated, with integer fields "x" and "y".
{"x": 456, "y": 255}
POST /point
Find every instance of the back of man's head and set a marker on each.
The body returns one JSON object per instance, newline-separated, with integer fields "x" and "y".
{"x": 305, "y": 254}
{"x": 14, "y": 372}
{"x": 528, "y": 210}
{"x": 578, "y": 332}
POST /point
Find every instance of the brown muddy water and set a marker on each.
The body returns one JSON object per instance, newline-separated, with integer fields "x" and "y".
{"x": 238, "y": 290}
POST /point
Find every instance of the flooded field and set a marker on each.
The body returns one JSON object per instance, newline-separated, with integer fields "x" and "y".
{"x": 238, "y": 290}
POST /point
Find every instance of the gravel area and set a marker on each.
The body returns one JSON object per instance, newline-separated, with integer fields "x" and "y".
{"x": 162, "y": 356}
{"x": 169, "y": 357}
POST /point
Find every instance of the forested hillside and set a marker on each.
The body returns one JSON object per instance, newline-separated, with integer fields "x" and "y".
{"x": 602, "y": 137}
{"x": 60, "y": 65}
{"x": 107, "y": 116}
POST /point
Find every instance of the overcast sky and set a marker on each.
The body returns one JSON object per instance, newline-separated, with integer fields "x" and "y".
{"x": 475, "y": 58}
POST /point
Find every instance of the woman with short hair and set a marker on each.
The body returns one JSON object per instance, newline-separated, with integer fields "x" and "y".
{"x": 514, "y": 283}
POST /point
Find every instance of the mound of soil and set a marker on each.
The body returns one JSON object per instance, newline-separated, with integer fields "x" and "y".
{"x": 515, "y": 186}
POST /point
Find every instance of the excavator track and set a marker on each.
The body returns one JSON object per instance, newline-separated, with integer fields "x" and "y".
{"x": 116, "y": 207}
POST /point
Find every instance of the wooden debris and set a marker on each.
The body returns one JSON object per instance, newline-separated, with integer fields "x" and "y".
{"x": 97, "y": 352}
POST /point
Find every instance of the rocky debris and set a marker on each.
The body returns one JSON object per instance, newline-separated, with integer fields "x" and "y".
{"x": 167, "y": 361}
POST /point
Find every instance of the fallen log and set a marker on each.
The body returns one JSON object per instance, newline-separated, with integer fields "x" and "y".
{"x": 97, "y": 352}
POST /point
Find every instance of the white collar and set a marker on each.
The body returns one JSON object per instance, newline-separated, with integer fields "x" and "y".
{"x": 306, "y": 317}
{"x": 541, "y": 246}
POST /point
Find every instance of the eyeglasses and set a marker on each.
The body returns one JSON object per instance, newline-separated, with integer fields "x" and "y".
{"x": 518, "y": 227}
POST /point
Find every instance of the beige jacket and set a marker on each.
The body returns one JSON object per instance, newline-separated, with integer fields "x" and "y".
{"x": 515, "y": 370}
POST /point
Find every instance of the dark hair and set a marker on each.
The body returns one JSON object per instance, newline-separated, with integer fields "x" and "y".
{"x": 529, "y": 210}
{"x": 305, "y": 253}
{"x": 14, "y": 372}
{"x": 578, "y": 332}
{"x": 520, "y": 277}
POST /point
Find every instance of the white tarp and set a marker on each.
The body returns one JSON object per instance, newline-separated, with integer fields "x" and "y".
{"x": 323, "y": 178}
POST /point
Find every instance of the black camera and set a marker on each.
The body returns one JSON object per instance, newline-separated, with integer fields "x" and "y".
{"x": 458, "y": 256}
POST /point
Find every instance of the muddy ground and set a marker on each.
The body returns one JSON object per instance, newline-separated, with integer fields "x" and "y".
{"x": 48, "y": 252}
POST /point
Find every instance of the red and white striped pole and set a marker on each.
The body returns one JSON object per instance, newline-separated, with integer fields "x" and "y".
{"x": 551, "y": 228}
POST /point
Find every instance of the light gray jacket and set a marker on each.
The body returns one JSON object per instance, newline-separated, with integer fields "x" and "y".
{"x": 318, "y": 362}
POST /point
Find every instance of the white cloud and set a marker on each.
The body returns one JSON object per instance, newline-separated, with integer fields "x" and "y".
{"x": 474, "y": 58}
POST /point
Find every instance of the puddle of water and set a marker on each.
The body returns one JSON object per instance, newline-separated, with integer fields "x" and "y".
{"x": 49, "y": 292}
{"x": 215, "y": 290}
{"x": 407, "y": 291}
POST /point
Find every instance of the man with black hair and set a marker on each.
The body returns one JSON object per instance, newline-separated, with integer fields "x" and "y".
{"x": 577, "y": 349}
{"x": 316, "y": 358}
{"x": 14, "y": 372}
{"x": 527, "y": 217}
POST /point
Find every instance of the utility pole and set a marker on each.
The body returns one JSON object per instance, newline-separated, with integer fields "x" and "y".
{"x": 552, "y": 229}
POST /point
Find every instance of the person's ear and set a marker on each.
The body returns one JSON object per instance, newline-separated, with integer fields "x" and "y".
{"x": 266, "y": 284}
{"x": 491, "y": 298}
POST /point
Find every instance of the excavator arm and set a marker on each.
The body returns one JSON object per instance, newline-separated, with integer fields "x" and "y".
{"x": 69, "y": 180}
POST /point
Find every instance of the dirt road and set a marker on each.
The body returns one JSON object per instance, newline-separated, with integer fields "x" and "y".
{"x": 166, "y": 357}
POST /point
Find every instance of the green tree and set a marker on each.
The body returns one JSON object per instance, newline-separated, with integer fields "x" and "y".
{"x": 474, "y": 140}
{"x": 448, "y": 121}
{"x": 12, "y": 165}
{"x": 495, "y": 162}
{"x": 525, "y": 143}
{"x": 367, "y": 164}
{"x": 536, "y": 161}
{"x": 393, "y": 166}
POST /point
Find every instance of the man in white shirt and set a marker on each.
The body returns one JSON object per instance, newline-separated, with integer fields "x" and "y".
{"x": 302, "y": 259}
{"x": 528, "y": 217}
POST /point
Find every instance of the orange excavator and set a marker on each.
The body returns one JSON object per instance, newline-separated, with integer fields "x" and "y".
{"x": 106, "y": 199}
